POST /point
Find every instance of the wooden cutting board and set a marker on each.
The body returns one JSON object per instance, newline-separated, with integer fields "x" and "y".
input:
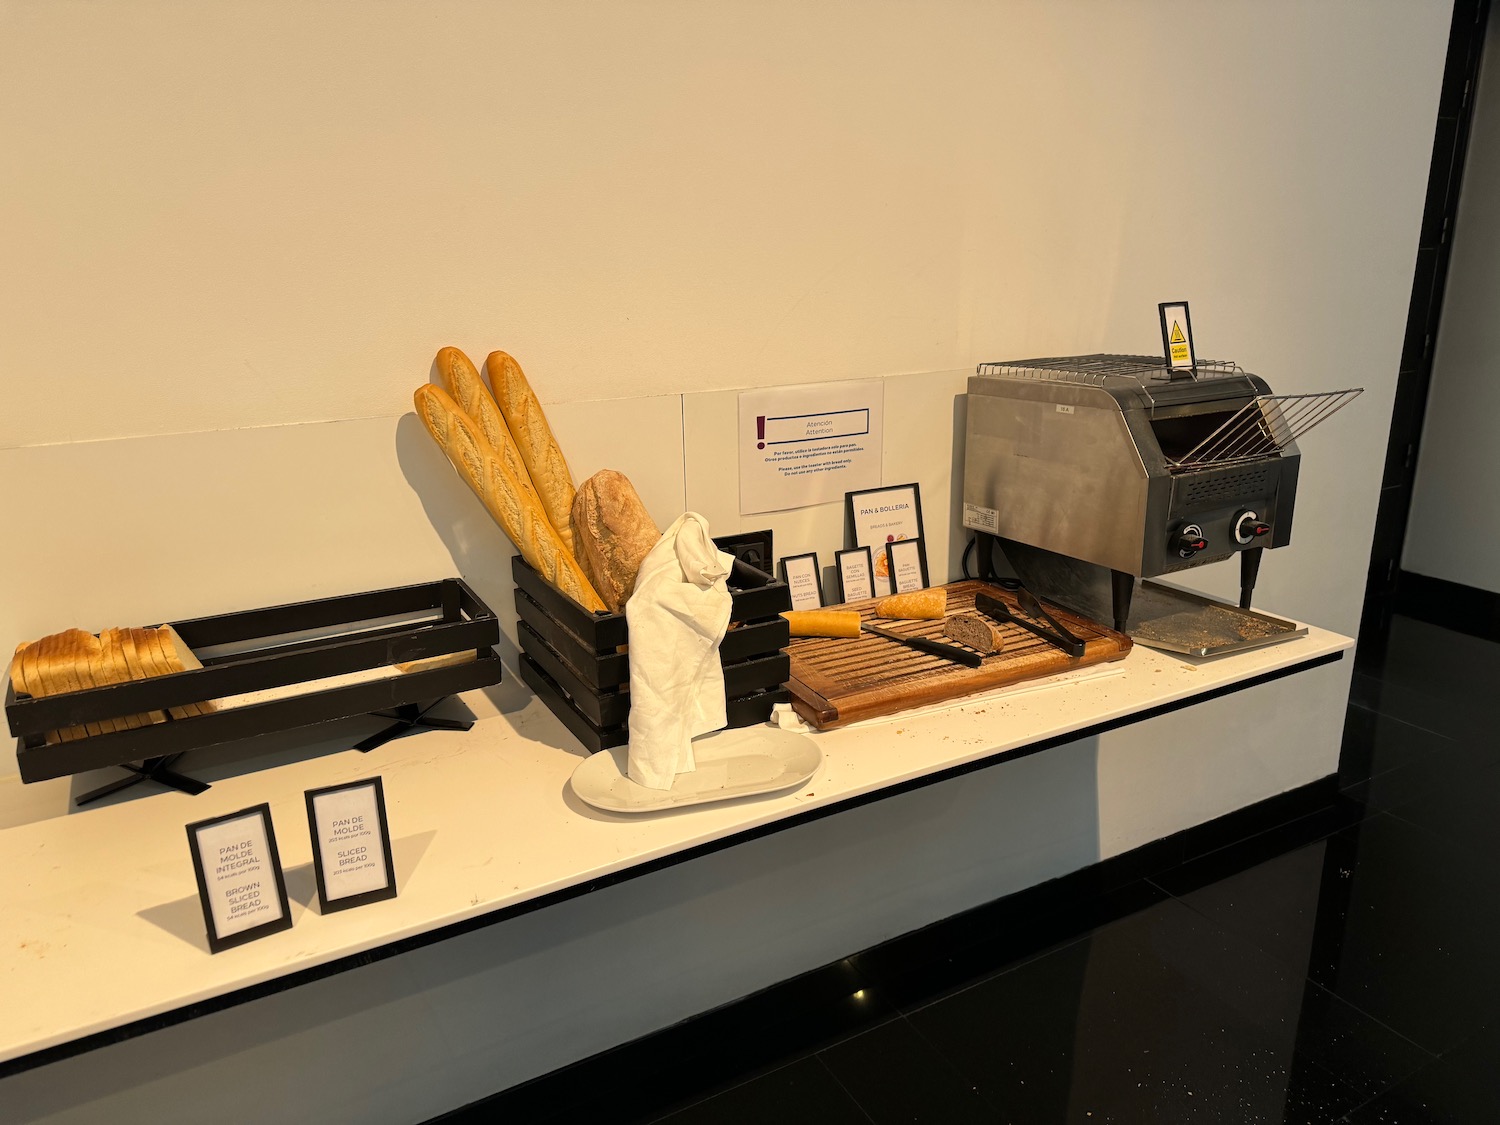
{"x": 836, "y": 681}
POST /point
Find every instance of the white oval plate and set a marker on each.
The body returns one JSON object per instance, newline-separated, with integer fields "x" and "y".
{"x": 731, "y": 763}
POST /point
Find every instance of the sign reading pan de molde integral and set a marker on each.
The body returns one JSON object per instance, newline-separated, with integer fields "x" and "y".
{"x": 240, "y": 884}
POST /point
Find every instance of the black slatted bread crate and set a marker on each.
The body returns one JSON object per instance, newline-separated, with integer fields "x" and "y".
{"x": 298, "y": 647}
{"x": 578, "y": 662}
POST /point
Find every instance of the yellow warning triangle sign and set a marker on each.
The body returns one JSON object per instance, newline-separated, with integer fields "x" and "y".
{"x": 1177, "y": 336}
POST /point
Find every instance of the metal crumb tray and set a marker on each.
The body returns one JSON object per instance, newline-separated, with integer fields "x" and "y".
{"x": 1175, "y": 620}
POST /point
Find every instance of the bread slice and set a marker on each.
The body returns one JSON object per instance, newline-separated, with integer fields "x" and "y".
{"x": 917, "y": 605}
{"x": 136, "y": 665}
{"x": 167, "y": 663}
{"x": 539, "y": 449}
{"x": 972, "y": 630}
{"x": 89, "y": 663}
{"x": 54, "y": 670}
{"x": 24, "y": 673}
{"x": 17, "y": 671}
{"x": 117, "y": 671}
{"x": 183, "y": 659}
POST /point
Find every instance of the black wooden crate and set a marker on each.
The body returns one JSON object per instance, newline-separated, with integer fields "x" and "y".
{"x": 745, "y": 711}
{"x": 578, "y": 662}
{"x": 442, "y": 618}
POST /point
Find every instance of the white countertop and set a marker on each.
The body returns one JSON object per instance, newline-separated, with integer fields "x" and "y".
{"x": 101, "y": 920}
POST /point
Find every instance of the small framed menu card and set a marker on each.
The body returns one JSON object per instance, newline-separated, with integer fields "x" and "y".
{"x": 804, "y": 580}
{"x": 856, "y": 574}
{"x": 907, "y": 564}
{"x": 351, "y": 844}
{"x": 239, "y": 877}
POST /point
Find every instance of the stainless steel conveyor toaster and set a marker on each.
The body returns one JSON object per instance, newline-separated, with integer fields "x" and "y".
{"x": 1124, "y": 463}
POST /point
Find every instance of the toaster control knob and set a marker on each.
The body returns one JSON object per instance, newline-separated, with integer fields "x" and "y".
{"x": 1248, "y": 528}
{"x": 1189, "y": 541}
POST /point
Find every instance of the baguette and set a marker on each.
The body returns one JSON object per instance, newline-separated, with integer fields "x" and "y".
{"x": 917, "y": 605}
{"x": 462, "y": 382}
{"x": 823, "y": 622}
{"x": 520, "y": 516}
{"x": 539, "y": 449}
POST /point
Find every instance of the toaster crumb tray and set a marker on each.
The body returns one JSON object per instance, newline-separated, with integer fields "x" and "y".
{"x": 1176, "y": 620}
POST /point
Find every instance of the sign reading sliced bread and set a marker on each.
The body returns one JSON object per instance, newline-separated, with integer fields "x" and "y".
{"x": 351, "y": 844}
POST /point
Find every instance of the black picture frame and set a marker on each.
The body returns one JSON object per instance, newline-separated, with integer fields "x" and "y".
{"x": 216, "y": 943}
{"x": 904, "y": 545}
{"x": 838, "y": 570}
{"x": 811, "y": 559}
{"x": 859, "y": 535}
{"x": 364, "y": 898}
{"x": 1166, "y": 344}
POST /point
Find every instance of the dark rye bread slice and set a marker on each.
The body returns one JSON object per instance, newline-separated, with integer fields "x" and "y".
{"x": 972, "y": 630}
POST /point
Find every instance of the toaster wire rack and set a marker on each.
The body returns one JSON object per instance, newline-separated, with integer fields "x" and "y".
{"x": 1262, "y": 427}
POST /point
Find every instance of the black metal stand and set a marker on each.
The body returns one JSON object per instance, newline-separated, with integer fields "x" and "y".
{"x": 152, "y": 769}
{"x": 410, "y": 717}
{"x": 1122, "y": 587}
{"x": 1249, "y": 568}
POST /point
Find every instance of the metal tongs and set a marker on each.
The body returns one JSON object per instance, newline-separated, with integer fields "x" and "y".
{"x": 997, "y": 610}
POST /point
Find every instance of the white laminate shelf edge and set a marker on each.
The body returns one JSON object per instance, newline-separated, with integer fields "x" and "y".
{"x": 101, "y": 922}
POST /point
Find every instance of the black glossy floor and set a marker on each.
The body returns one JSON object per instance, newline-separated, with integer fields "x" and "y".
{"x": 1339, "y": 966}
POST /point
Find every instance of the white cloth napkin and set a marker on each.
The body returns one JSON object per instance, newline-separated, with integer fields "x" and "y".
{"x": 678, "y": 615}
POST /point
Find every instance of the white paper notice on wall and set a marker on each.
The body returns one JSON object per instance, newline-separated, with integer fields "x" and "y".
{"x": 809, "y": 444}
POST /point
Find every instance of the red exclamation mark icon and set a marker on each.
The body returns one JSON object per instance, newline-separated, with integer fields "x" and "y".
{"x": 760, "y": 432}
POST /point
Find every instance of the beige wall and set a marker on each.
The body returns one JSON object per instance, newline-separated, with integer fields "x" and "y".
{"x": 242, "y": 217}
{"x": 242, "y": 214}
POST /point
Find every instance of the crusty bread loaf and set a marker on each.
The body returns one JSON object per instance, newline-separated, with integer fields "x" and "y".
{"x": 539, "y": 449}
{"x": 972, "y": 630}
{"x": 515, "y": 509}
{"x": 612, "y": 535}
{"x": 461, "y": 380}
{"x": 917, "y": 605}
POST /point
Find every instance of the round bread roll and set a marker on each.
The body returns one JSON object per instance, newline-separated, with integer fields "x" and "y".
{"x": 612, "y": 535}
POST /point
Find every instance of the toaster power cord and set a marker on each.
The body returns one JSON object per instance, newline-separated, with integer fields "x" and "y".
{"x": 963, "y": 564}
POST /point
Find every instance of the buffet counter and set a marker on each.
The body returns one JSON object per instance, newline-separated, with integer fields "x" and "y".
{"x": 104, "y": 933}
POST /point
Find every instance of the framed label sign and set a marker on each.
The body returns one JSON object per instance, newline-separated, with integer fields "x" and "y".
{"x": 804, "y": 580}
{"x": 351, "y": 844}
{"x": 906, "y": 561}
{"x": 240, "y": 884}
{"x": 856, "y": 575}
{"x": 878, "y": 516}
{"x": 1177, "y": 335}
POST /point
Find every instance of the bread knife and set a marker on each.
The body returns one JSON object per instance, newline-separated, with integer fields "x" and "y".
{"x": 922, "y": 644}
